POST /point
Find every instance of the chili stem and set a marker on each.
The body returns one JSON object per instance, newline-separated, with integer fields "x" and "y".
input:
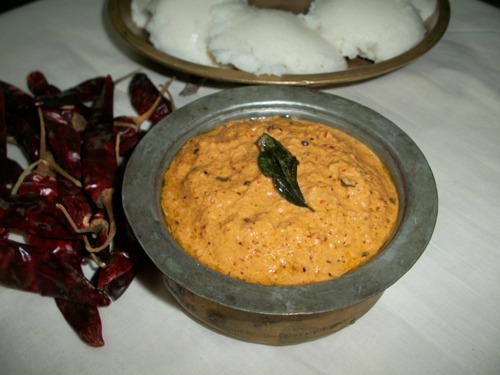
{"x": 25, "y": 173}
{"x": 58, "y": 169}
{"x": 91, "y": 229}
{"x": 123, "y": 78}
{"x": 107, "y": 201}
{"x": 99, "y": 262}
{"x": 43, "y": 143}
{"x": 117, "y": 147}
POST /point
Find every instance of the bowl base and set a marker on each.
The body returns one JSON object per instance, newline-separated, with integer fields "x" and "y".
{"x": 270, "y": 329}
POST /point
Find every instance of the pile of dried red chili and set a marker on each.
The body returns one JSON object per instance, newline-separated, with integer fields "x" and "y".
{"x": 64, "y": 211}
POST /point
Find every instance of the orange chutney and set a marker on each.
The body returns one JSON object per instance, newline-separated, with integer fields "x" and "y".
{"x": 227, "y": 215}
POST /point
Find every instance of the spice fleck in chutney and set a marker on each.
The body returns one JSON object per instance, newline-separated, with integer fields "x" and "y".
{"x": 228, "y": 215}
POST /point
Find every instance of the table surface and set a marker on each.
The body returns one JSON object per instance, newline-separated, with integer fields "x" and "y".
{"x": 439, "y": 318}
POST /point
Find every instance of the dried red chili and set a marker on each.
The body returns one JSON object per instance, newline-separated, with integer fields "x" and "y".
{"x": 24, "y": 133}
{"x": 85, "y": 92}
{"x": 67, "y": 153}
{"x": 34, "y": 214}
{"x": 84, "y": 319}
{"x": 75, "y": 203}
{"x": 15, "y": 98}
{"x": 99, "y": 163}
{"x": 3, "y": 140}
{"x": 41, "y": 270}
{"x": 46, "y": 167}
{"x": 151, "y": 105}
{"x": 20, "y": 115}
{"x": 69, "y": 251}
{"x": 50, "y": 263}
{"x": 127, "y": 134}
{"x": 143, "y": 95}
{"x": 121, "y": 264}
{"x": 38, "y": 184}
{"x": 39, "y": 86}
{"x": 115, "y": 288}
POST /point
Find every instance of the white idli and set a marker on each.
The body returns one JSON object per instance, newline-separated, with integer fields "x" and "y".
{"x": 425, "y": 8}
{"x": 373, "y": 29}
{"x": 140, "y": 11}
{"x": 269, "y": 41}
{"x": 180, "y": 28}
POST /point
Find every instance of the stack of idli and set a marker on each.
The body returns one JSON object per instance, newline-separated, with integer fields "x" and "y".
{"x": 269, "y": 41}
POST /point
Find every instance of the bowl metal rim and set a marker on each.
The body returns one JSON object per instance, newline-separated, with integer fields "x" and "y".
{"x": 142, "y": 186}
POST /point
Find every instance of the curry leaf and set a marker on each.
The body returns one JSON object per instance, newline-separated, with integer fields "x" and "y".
{"x": 276, "y": 162}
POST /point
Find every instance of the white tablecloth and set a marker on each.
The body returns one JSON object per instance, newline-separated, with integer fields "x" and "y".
{"x": 442, "y": 317}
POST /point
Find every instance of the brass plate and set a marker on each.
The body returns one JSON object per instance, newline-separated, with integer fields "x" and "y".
{"x": 359, "y": 70}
